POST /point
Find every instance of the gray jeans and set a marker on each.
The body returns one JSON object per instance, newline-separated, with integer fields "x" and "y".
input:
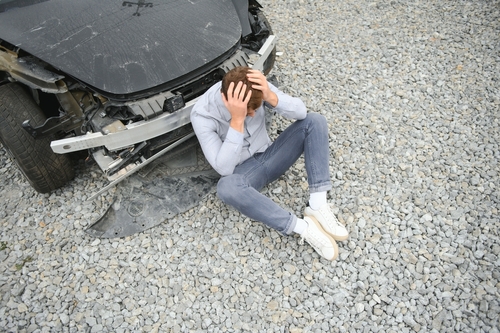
{"x": 241, "y": 189}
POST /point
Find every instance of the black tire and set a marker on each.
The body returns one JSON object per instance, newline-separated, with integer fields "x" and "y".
{"x": 44, "y": 169}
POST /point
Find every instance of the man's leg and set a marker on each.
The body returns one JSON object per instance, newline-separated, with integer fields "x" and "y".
{"x": 309, "y": 136}
{"x": 316, "y": 155}
{"x": 241, "y": 189}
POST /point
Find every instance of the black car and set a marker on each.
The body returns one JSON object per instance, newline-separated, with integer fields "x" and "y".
{"x": 115, "y": 78}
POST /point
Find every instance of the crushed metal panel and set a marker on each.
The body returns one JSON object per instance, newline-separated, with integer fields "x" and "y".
{"x": 151, "y": 204}
{"x": 170, "y": 185}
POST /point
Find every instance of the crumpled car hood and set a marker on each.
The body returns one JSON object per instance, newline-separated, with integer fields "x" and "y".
{"x": 121, "y": 47}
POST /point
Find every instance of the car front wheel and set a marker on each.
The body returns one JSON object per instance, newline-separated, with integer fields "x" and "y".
{"x": 44, "y": 170}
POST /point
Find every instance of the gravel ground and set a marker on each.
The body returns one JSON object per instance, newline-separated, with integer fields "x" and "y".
{"x": 411, "y": 93}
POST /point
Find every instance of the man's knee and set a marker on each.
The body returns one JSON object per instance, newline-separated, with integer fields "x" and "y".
{"x": 228, "y": 186}
{"x": 317, "y": 120}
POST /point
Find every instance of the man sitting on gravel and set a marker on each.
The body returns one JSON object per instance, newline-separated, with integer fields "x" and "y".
{"x": 229, "y": 122}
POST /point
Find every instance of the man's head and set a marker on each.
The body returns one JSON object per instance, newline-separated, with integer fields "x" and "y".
{"x": 240, "y": 74}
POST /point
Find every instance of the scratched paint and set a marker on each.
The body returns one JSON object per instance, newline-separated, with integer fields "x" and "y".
{"x": 104, "y": 45}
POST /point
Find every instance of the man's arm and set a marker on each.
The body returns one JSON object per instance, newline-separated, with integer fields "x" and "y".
{"x": 285, "y": 105}
{"x": 223, "y": 156}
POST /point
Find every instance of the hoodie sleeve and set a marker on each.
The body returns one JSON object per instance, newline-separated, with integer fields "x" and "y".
{"x": 223, "y": 156}
{"x": 288, "y": 106}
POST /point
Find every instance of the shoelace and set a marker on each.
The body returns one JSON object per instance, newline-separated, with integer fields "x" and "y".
{"x": 313, "y": 236}
{"x": 330, "y": 217}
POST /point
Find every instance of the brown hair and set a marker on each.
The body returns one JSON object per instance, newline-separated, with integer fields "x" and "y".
{"x": 236, "y": 75}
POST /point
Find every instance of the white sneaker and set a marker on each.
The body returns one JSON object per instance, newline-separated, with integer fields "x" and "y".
{"x": 323, "y": 243}
{"x": 328, "y": 221}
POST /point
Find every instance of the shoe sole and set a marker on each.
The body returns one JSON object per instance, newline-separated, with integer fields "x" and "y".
{"x": 339, "y": 238}
{"x": 335, "y": 246}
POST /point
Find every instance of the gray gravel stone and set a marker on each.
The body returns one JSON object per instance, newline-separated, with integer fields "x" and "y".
{"x": 410, "y": 91}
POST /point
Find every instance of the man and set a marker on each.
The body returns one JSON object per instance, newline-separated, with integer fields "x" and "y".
{"x": 229, "y": 121}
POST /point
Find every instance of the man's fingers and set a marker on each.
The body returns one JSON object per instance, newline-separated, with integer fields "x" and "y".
{"x": 239, "y": 91}
{"x": 254, "y": 75}
{"x": 255, "y": 72}
{"x": 230, "y": 90}
{"x": 235, "y": 91}
{"x": 243, "y": 88}
{"x": 247, "y": 98}
{"x": 237, "y": 95}
{"x": 258, "y": 79}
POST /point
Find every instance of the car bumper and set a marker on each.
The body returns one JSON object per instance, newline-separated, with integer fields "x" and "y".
{"x": 125, "y": 136}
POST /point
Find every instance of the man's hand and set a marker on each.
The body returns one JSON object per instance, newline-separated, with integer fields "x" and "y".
{"x": 260, "y": 83}
{"x": 236, "y": 103}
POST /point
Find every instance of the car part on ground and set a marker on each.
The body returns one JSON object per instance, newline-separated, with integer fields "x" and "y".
{"x": 170, "y": 185}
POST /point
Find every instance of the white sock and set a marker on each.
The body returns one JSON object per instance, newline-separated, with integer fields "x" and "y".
{"x": 317, "y": 199}
{"x": 300, "y": 227}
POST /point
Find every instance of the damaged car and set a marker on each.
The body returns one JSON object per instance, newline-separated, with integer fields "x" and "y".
{"x": 116, "y": 79}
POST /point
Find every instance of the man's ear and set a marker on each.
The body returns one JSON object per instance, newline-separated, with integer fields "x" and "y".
{"x": 224, "y": 99}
